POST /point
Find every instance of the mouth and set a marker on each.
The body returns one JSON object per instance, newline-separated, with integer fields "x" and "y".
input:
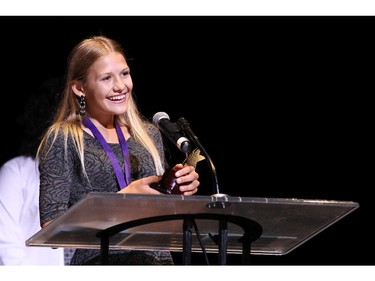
{"x": 117, "y": 98}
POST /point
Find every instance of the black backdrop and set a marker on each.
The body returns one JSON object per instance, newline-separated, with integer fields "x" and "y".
{"x": 281, "y": 104}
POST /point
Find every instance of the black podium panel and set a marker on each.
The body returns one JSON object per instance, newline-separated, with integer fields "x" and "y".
{"x": 286, "y": 223}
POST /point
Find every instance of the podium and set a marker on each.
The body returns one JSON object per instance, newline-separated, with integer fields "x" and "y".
{"x": 112, "y": 221}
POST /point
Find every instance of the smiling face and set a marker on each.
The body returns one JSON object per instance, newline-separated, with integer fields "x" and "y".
{"x": 107, "y": 87}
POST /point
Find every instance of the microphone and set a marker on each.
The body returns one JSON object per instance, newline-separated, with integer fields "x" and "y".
{"x": 172, "y": 131}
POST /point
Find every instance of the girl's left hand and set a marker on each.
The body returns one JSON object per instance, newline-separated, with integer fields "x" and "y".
{"x": 187, "y": 178}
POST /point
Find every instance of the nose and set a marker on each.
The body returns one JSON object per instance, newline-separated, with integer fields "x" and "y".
{"x": 119, "y": 86}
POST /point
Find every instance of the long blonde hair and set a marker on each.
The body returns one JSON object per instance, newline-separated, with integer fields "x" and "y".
{"x": 67, "y": 117}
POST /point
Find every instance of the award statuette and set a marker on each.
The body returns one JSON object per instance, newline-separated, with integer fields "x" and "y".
{"x": 168, "y": 184}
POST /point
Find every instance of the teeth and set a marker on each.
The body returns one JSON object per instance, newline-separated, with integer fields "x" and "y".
{"x": 117, "y": 98}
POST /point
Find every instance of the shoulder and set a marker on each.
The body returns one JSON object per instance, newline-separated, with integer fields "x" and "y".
{"x": 17, "y": 162}
{"x": 152, "y": 129}
{"x": 59, "y": 141}
{"x": 17, "y": 168}
{"x": 60, "y": 133}
{"x": 155, "y": 134}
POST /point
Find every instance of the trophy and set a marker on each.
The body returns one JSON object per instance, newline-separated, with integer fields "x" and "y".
{"x": 168, "y": 184}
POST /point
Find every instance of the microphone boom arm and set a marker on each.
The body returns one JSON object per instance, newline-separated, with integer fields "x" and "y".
{"x": 183, "y": 123}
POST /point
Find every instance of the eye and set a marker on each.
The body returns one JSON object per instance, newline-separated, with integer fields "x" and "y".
{"x": 125, "y": 73}
{"x": 106, "y": 78}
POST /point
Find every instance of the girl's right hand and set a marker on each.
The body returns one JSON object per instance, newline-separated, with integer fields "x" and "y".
{"x": 142, "y": 186}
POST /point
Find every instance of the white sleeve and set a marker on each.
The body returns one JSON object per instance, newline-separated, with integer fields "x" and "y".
{"x": 12, "y": 244}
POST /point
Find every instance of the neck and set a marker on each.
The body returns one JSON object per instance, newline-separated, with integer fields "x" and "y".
{"x": 106, "y": 129}
{"x": 106, "y": 123}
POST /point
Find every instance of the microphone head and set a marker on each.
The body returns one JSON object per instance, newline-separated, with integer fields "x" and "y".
{"x": 172, "y": 131}
{"x": 158, "y": 116}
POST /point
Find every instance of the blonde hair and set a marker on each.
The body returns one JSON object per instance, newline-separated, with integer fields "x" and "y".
{"x": 68, "y": 119}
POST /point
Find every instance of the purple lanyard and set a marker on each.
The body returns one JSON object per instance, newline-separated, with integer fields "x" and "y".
{"x": 124, "y": 147}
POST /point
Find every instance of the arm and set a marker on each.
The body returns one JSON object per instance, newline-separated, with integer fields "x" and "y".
{"x": 56, "y": 173}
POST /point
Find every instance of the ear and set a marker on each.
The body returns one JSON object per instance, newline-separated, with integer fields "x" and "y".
{"x": 77, "y": 88}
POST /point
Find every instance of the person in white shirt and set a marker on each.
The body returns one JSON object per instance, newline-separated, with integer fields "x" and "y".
{"x": 19, "y": 215}
{"x": 19, "y": 188}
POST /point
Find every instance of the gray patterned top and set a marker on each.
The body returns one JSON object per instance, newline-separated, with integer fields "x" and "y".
{"x": 62, "y": 183}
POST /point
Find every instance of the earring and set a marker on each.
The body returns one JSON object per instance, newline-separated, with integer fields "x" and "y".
{"x": 82, "y": 105}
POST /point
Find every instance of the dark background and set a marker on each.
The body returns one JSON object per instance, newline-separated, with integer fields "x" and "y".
{"x": 281, "y": 104}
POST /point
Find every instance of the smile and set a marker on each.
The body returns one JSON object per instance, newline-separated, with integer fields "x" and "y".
{"x": 117, "y": 98}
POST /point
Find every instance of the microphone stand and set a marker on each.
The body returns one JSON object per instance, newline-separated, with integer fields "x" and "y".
{"x": 184, "y": 124}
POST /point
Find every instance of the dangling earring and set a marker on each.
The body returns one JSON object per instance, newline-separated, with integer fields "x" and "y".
{"x": 82, "y": 105}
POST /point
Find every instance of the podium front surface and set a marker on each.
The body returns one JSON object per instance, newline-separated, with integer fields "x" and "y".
{"x": 286, "y": 223}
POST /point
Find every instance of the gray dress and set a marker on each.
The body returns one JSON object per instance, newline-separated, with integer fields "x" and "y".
{"x": 62, "y": 184}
